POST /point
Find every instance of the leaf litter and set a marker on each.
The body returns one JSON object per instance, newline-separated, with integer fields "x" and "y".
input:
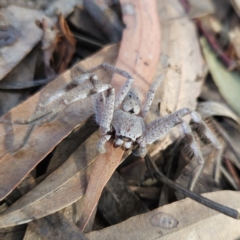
{"x": 74, "y": 174}
{"x": 32, "y": 157}
{"x": 23, "y": 20}
{"x": 183, "y": 223}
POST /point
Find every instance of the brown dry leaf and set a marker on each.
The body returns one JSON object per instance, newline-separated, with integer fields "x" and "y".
{"x": 23, "y": 20}
{"x": 61, "y": 188}
{"x": 70, "y": 144}
{"x": 58, "y": 45}
{"x": 139, "y": 53}
{"x": 182, "y": 59}
{"x": 53, "y": 227}
{"x": 103, "y": 169}
{"x": 185, "y": 74}
{"x": 133, "y": 172}
{"x": 17, "y": 232}
{"x": 65, "y": 47}
{"x": 66, "y": 217}
{"x": 21, "y": 74}
{"x": 12, "y": 233}
{"x": 15, "y": 166}
{"x": 140, "y": 48}
{"x": 124, "y": 203}
{"x": 185, "y": 219}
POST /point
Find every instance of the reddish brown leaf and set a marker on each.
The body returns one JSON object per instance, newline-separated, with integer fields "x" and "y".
{"x": 65, "y": 47}
{"x": 140, "y": 48}
{"x": 103, "y": 169}
{"x": 58, "y": 45}
{"x": 138, "y": 55}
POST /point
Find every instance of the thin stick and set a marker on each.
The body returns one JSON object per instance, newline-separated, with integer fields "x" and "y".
{"x": 196, "y": 197}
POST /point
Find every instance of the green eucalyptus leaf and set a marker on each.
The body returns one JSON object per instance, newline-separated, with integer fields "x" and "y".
{"x": 227, "y": 82}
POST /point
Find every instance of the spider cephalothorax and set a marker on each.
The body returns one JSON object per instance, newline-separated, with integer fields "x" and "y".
{"x": 127, "y": 126}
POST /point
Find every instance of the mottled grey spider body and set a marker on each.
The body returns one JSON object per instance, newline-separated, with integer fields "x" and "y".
{"x": 122, "y": 117}
{"x": 128, "y": 128}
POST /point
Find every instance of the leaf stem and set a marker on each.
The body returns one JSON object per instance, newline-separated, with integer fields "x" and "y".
{"x": 194, "y": 196}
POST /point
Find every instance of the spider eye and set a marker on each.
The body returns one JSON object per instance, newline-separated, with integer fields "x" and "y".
{"x": 130, "y": 95}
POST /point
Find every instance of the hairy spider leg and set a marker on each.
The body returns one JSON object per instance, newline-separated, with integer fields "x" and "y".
{"x": 102, "y": 142}
{"x": 107, "y": 114}
{"x": 157, "y": 129}
{"x": 98, "y": 107}
{"x": 104, "y": 106}
{"x": 161, "y": 126}
{"x": 49, "y": 109}
{"x": 150, "y": 95}
{"x": 106, "y": 118}
{"x": 78, "y": 80}
{"x": 126, "y": 87}
{"x": 197, "y": 153}
{"x": 46, "y": 113}
{"x": 196, "y": 118}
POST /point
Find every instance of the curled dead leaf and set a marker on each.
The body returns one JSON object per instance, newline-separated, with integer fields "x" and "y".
{"x": 65, "y": 47}
{"x": 58, "y": 45}
{"x": 210, "y": 108}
